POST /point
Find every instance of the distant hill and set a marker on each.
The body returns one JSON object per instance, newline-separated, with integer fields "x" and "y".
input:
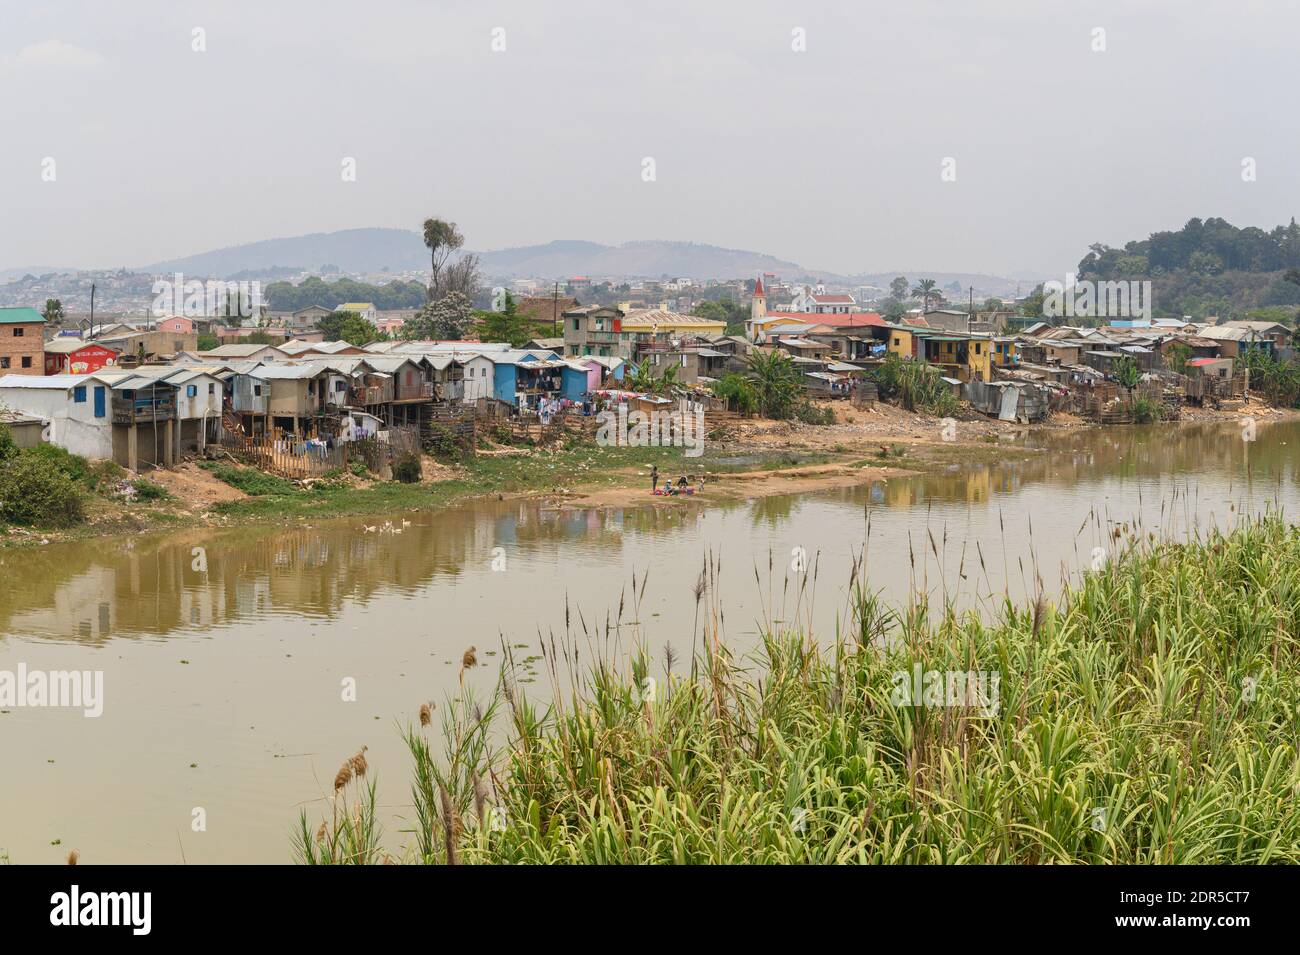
{"x": 353, "y": 250}
{"x": 402, "y": 250}
{"x": 370, "y": 250}
{"x": 646, "y": 259}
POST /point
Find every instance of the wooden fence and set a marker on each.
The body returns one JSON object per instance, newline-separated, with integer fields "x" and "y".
{"x": 449, "y": 425}
{"x": 298, "y": 459}
{"x": 291, "y": 459}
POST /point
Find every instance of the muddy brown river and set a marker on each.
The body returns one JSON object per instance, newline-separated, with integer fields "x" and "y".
{"x": 226, "y": 654}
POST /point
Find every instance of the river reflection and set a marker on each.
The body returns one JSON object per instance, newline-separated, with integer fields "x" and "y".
{"x": 223, "y": 651}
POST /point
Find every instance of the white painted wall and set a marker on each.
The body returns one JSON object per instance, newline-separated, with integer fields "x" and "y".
{"x": 203, "y": 404}
{"x": 73, "y": 426}
{"x": 479, "y": 379}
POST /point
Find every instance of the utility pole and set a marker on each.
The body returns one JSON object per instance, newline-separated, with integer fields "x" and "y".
{"x": 970, "y": 314}
{"x": 92, "y": 309}
{"x": 555, "y": 309}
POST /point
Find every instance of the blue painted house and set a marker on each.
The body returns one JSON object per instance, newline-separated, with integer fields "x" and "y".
{"x": 532, "y": 374}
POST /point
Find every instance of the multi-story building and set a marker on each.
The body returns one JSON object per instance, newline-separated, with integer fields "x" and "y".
{"x": 22, "y": 341}
{"x": 611, "y": 332}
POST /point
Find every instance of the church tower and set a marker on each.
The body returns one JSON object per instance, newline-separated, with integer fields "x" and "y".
{"x": 758, "y": 307}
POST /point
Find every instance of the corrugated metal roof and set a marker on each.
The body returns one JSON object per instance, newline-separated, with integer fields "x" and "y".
{"x": 288, "y": 372}
{"x": 20, "y": 316}
{"x": 59, "y": 382}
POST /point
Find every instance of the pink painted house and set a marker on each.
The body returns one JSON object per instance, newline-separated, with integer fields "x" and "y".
{"x": 176, "y": 324}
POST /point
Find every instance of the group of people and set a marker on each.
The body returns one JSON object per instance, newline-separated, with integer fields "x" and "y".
{"x": 685, "y": 484}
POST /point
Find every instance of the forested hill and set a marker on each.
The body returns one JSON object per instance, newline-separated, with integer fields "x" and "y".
{"x": 1208, "y": 267}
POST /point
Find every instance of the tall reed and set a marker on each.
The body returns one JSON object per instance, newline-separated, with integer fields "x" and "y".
{"x": 1147, "y": 716}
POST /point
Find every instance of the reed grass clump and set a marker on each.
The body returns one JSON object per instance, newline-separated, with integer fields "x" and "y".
{"x": 1149, "y": 715}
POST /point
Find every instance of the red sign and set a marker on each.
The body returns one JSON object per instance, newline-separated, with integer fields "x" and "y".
{"x": 82, "y": 361}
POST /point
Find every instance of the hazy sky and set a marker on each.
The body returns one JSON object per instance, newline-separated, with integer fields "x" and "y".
{"x": 830, "y": 157}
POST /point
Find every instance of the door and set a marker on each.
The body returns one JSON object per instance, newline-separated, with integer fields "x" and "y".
{"x": 99, "y": 401}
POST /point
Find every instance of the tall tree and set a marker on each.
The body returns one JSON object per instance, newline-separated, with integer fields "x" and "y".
{"x": 898, "y": 288}
{"x": 331, "y": 326}
{"x": 53, "y": 311}
{"x": 441, "y": 238}
{"x": 357, "y": 331}
{"x": 461, "y": 276}
{"x": 506, "y": 325}
{"x": 924, "y": 290}
{"x": 448, "y": 319}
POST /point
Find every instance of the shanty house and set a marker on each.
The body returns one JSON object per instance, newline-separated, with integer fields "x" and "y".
{"x": 75, "y": 407}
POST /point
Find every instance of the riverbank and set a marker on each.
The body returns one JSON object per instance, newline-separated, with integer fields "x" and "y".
{"x": 1145, "y": 717}
{"x": 756, "y": 458}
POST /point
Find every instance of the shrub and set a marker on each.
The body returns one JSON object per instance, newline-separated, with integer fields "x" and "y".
{"x": 148, "y": 491}
{"x": 1145, "y": 410}
{"x": 100, "y": 474}
{"x": 809, "y": 413}
{"x": 407, "y": 469}
{"x": 7, "y": 447}
{"x": 33, "y": 490}
{"x": 916, "y": 385}
{"x": 442, "y": 443}
{"x": 738, "y": 392}
{"x": 73, "y": 465}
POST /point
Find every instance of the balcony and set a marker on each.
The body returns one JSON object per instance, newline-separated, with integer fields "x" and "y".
{"x": 365, "y": 395}
{"x": 143, "y": 408}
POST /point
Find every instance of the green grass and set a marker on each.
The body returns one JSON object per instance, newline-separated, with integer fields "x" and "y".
{"x": 251, "y": 481}
{"x": 1149, "y": 716}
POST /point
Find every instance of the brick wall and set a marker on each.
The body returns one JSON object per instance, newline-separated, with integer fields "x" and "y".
{"x": 21, "y": 343}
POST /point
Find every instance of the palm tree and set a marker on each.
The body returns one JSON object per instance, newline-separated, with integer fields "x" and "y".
{"x": 441, "y": 239}
{"x": 925, "y": 288}
{"x": 53, "y": 311}
{"x": 776, "y": 381}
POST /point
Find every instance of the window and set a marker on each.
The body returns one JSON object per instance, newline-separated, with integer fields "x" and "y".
{"x": 575, "y": 324}
{"x": 27, "y": 361}
{"x": 340, "y": 385}
{"x": 19, "y": 332}
{"x": 257, "y": 391}
{"x": 212, "y": 388}
{"x": 79, "y": 394}
{"x": 4, "y": 362}
{"x": 191, "y": 391}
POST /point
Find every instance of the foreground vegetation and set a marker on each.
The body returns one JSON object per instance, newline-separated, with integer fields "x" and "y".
{"x": 1149, "y": 717}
